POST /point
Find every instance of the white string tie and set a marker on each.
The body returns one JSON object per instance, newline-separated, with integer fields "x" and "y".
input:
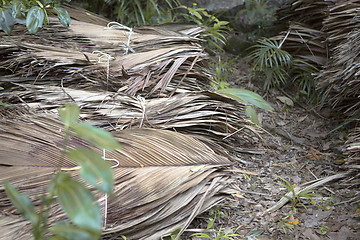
{"x": 106, "y": 196}
{"x": 108, "y": 58}
{"x": 116, "y": 25}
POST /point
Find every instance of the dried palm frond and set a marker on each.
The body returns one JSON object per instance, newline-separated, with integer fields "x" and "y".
{"x": 328, "y": 36}
{"x": 202, "y": 114}
{"x": 310, "y": 13}
{"x": 340, "y": 80}
{"x": 305, "y": 37}
{"x": 352, "y": 149}
{"x": 164, "y": 179}
{"x": 305, "y": 43}
{"x": 88, "y": 55}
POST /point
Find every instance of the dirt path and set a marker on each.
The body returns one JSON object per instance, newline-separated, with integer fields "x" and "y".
{"x": 299, "y": 149}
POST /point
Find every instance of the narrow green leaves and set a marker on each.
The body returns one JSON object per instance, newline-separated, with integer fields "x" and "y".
{"x": 72, "y": 232}
{"x": 77, "y": 202}
{"x": 246, "y": 96}
{"x": 96, "y": 136}
{"x": 63, "y": 16}
{"x": 7, "y": 21}
{"x": 22, "y": 204}
{"x": 250, "y": 112}
{"x": 69, "y": 114}
{"x": 268, "y": 53}
{"x": 35, "y": 19}
{"x": 94, "y": 168}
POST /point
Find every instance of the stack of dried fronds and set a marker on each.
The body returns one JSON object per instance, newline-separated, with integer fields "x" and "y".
{"x": 303, "y": 34}
{"x": 305, "y": 43}
{"x": 328, "y": 36}
{"x": 113, "y": 57}
{"x": 209, "y": 116}
{"x": 310, "y": 13}
{"x": 341, "y": 77}
{"x": 164, "y": 178}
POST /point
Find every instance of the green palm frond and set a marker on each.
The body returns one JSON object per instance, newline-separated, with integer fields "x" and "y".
{"x": 268, "y": 54}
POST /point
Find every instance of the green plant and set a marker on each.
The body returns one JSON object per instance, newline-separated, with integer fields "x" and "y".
{"x": 221, "y": 234}
{"x": 77, "y": 202}
{"x": 286, "y": 226}
{"x": 279, "y": 67}
{"x": 296, "y": 198}
{"x": 324, "y": 229}
{"x": 221, "y": 69}
{"x": 302, "y": 75}
{"x": 215, "y": 28}
{"x": 142, "y": 12}
{"x": 248, "y": 97}
{"x": 271, "y": 60}
{"x": 33, "y": 14}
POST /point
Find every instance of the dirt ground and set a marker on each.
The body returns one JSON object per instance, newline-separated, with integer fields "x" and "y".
{"x": 298, "y": 148}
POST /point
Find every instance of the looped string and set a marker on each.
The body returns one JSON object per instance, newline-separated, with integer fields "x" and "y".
{"x": 116, "y": 25}
{"x": 106, "y": 196}
{"x": 109, "y": 57}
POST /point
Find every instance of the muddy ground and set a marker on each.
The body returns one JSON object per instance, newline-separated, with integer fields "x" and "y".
{"x": 298, "y": 147}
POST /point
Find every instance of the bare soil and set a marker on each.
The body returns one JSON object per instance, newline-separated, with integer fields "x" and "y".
{"x": 298, "y": 147}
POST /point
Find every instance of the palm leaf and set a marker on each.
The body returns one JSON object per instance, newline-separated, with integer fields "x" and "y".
{"x": 161, "y": 57}
{"x": 161, "y": 177}
{"x": 209, "y": 116}
{"x": 352, "y": 148}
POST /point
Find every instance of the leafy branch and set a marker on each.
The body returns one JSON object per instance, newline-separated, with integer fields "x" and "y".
{"x": 74, "y": 198}
{"x": 34, "y": 14}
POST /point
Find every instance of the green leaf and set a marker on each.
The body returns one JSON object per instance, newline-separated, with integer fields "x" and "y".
{"x": 246, "y": 96}
{"x": 94, "y": 168}
{"x": 18, "y": 11}
{"x": 96, "y": 136}
{"x": 7, "y": 21}
{"x": 69, "y": 114}
{"x": 63, "y": 16}
{"x": 22, "y": 203}
{"x": 77, "y": 202}
{"x": 250, "y": 112}
{"x": 72, "y": 232}
{"x": 35, "y": 19}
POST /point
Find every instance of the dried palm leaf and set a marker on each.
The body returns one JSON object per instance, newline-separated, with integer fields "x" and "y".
{"x": 336, "y": 24}
{"x": 305, "y": 43}
{"x": 340, "y": 80}
{"x": 161, "y": 178}
{"x": 310, "y": 13}
{"x": 206, "y": 115}
{"x": 352, "y": 149}
{"x": 95, "y": 56}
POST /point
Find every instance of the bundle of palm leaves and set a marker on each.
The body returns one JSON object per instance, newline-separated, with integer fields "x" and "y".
{"x": 305, "y": 43}
{"x": 163, "y": 180}
{"x": 209, "y": 116}
{"x": 328, "y": 37}
{"x": 113, "y": 57}
{"x": 303, "y": 34}
{"x": 340, "y": 78}
{"x": 310, "y": 13}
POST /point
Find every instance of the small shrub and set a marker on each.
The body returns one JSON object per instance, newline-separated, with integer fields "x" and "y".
{"x": 77, "y": 202}
{"x": 34, "y": 14}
